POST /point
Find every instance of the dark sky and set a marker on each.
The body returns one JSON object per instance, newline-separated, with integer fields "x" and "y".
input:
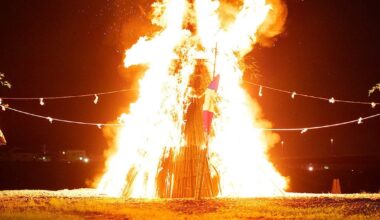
{"x": 59, "y": 47}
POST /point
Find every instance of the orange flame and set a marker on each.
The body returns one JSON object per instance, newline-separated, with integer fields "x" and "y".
{"x": 190, "y": 31}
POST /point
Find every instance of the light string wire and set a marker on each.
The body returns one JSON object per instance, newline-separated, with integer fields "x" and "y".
{"x": 68, "y": 96}
{"x": 305, "y": 129}
{"x": 294, "y": 94}
{"x": 99, "y": 125}
{"x": 51, "y": 119}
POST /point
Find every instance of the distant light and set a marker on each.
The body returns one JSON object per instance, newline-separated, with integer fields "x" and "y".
{"x": 310, "y": 168}
{"x": 326, "y": 167}
{"x": 86, "y": 160}
{"x": 63, "y": 152}
{"x": 80, "y": 158}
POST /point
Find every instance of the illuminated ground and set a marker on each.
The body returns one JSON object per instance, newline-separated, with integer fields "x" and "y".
{"x": 86, "y": 204}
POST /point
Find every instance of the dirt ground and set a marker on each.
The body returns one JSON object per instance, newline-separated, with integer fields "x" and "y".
{"x": 88, "y": 204}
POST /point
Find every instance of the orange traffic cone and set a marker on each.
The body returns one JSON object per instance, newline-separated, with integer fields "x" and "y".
{"x": 335, "y": 189}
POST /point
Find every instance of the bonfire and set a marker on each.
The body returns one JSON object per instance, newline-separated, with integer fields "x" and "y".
{"x": 194, "y": 131}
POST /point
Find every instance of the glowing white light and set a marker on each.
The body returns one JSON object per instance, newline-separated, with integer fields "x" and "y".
{"x": 42, "y": 102}
{"x": 332, "y": 100}
{"x": 310, "y": 168}
{"x": 261, "y": 91}
{"x": 373, "y": 105}
{"x": 86, "y": 160}
{"x": 304, "y": 130}
{"x": 50, "y": 119}
{"x": 294, "y": 95}
{"x": 96, "y": 99}
{"x": 360, "y": 120}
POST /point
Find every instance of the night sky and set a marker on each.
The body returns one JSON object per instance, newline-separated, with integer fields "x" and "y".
{"x": 59, "y": 47}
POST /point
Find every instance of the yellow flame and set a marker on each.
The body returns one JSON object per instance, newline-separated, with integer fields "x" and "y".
{"x": 238, "y": 148}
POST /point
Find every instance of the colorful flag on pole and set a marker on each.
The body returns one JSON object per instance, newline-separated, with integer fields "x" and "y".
{"x": 209, "y": 106}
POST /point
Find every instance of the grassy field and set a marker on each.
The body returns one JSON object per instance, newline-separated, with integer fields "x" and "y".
{"x": 87, "y": 204}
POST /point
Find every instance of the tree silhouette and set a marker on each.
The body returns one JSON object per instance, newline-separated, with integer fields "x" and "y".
{"x": 374, "y": 88}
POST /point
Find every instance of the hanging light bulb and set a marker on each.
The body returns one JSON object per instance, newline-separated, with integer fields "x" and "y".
{"x": 373, "y": 105}
{"x": 99, "y": 126}
{"x": 332, "y": 100}
{"x": 304, "y": 130}
{"x": 294, "y": 95}
{"x": 360, "y": 120}
{"x": 50, "y": 119}
{"x": 42, "y": 103}
{"x": 96, "y": 99}
{"x": 261, "y": 91}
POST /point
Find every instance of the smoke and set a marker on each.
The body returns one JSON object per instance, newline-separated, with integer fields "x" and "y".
{"x": 133, "y": 19}
{"x": 274, "y": 24}
{"x": 129, "y": 20}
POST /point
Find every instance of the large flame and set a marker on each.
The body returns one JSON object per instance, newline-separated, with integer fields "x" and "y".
{"x": 192, "y": 30}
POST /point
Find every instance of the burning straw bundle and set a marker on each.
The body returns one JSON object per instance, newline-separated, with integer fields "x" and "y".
{"x": 180, "y": 175}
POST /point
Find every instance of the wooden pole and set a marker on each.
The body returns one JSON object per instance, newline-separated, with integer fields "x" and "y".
{"x": 216, "y": 53}
{"x": 207, "y": 137}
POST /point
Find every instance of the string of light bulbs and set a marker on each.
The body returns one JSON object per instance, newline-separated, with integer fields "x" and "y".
{"x": 96, "y": 96}
{"x": 51, "y": 119}
{"x": 360, "y": 120}
{"x": 42, "y": 99}
{"x": 303, "y": 130}
{"x": 293, "y": 95}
